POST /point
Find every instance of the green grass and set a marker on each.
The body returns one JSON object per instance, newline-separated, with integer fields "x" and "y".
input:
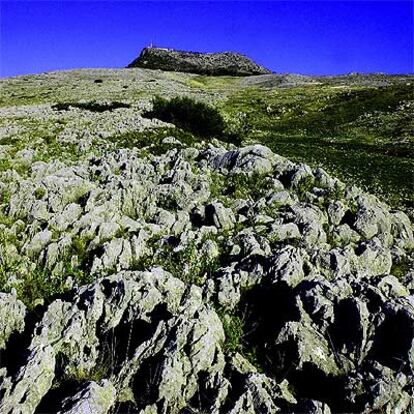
{"x": 400, "y": 268}
{"x": 42, "y": 137}
{"x": 233, "y": 330}
{"x": 211, "y": 83}
{"x": 185, "y": 264}
{"x": 238, "y": 186}
{"x": 33, "y": 280}
{"x": 363, "y": 135}
{"x": 39, "y": 193}
{"x": 389, "y": 177}
{"x": 324, "y": 111}
{"x": 39, "y": 283}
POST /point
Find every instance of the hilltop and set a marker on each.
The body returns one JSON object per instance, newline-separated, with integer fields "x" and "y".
{"x": 236, "y": 245}
{"x": 217, "y": 64}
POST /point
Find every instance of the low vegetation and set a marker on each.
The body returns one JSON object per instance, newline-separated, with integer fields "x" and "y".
{"x": 39, "y": 285}
{"x": 358, "y": 127}
{"x": 361, "y": 134}
{"x": 196, "y": 117}
{"x": 90, "y": 106}
{"x": 188, "y": 114}
{"x": 152, "y": 139}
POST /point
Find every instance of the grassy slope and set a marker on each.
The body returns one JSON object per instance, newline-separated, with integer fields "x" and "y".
{"x": 363, "y": 134}
{"x": 358, "y": 128}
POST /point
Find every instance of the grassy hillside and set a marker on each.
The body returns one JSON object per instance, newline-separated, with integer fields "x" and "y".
{"x": 358, "y": 127}
{"x": 363, "y": 134}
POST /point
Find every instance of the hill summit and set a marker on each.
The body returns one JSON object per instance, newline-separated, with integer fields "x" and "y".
{"x": 225, "y": 63}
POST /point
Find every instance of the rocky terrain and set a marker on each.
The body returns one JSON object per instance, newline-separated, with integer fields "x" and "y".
{"x": 225, "y": 63}
{"x": 147, "y": 270}
{"x": 358, "y": 127}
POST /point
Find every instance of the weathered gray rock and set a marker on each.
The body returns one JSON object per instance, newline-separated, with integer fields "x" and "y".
{"x": 92, "y": 398}
{"x": 280, "y": 232}
{"x": 392, "y": 287}
{"x": 309, "y": 347}
{"x": 225, "y": 63}
{"x": 301, "y": 175}
{"x": 287, "y": 267}
{"x": 12, "y": 314}
{"x": 222, "y": 217}
{"x": 381, "y": 390}
{"x": 117, "y": 255}
{"x": 336, "y": 212}
{"x": 344, "y": 235}
{"x": 259, "y": 393}
{"x": 280, "y": 199}
{"x": 312, "y": 407}
{"x": 185, "y": 348}
{"x": 401, "y": 228}
{"x": 373, "y": 258}
{"x": 255, "y": 158}
{"x": 371, "y": 218}
{"x": 228, "y": 288}
{"x": 38, "y": 243}
{"x": 311, "y": 220}
{"x": 33, "y": 381}
{"x": 67, "y": 217}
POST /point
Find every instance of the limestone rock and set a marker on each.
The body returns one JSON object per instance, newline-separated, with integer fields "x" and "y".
{"x": 287, "y": 267}
{"x": 12, "y": 314}
{"x": 92, "y": 398}
{"x": 225, "y": 63}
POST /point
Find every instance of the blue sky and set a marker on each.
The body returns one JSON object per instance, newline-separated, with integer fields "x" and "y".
{"x": 307, "y": 37}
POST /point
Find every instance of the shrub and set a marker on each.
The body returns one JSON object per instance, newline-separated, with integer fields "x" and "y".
{"x": 197, "y": 117}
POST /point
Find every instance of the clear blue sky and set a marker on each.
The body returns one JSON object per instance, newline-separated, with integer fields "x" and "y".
{"x": 302, "y": 37}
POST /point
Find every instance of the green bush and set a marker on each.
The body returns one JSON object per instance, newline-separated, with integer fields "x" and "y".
{"x": 197, "y": 117}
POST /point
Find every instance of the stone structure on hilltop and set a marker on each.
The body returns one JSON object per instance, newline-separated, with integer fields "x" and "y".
{"x": 225, "y": 63}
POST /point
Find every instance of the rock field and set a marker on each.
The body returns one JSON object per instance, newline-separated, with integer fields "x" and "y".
{"x": 202, "y": 278}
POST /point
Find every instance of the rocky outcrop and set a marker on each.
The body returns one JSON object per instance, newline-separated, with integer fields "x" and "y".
{"x": 146, "y": 336}
{"x": 226, "y": 63}
{"x": 202, "y": 279}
